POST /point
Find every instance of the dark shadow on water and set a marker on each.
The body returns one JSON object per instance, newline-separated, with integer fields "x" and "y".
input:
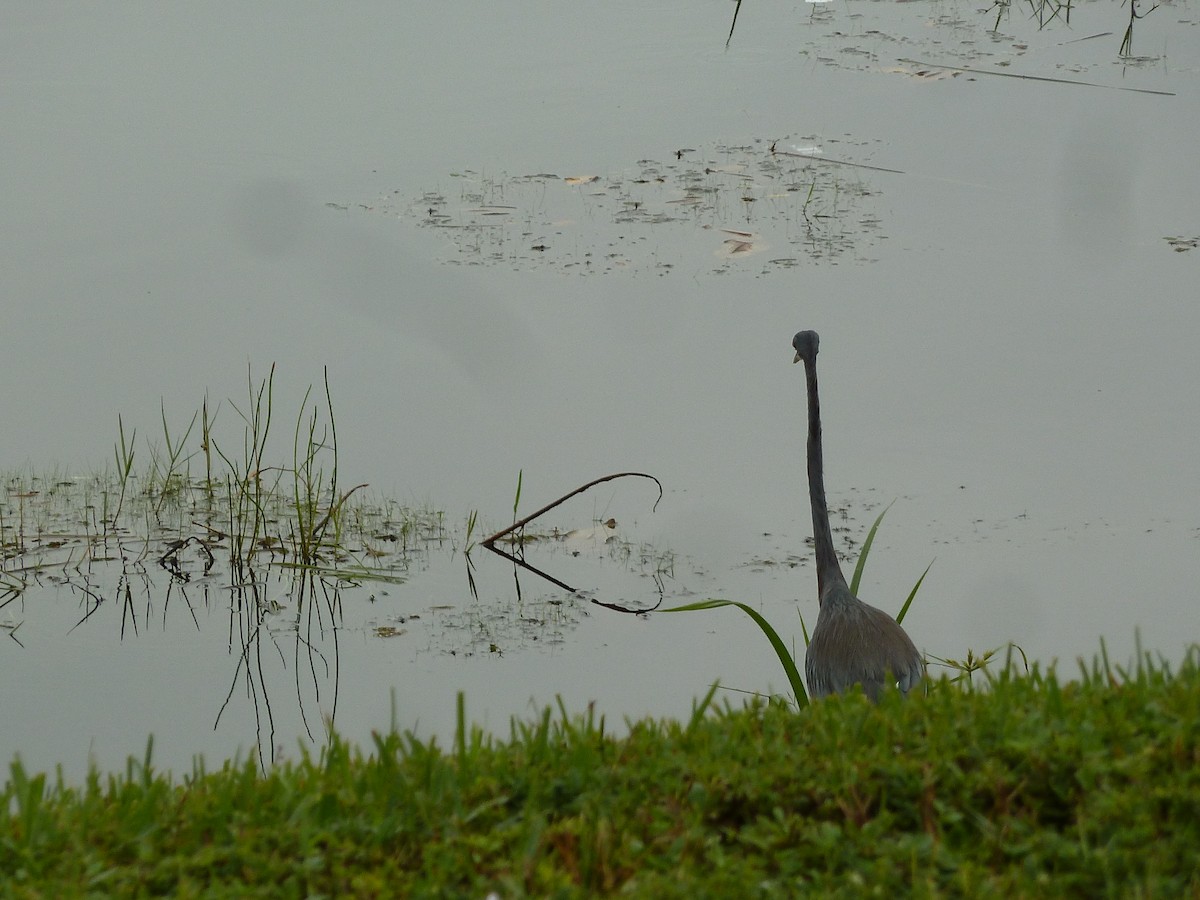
{"x": 518, "y": 560}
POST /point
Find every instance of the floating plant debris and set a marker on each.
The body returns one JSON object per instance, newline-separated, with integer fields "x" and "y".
{"x": 727, "y": 202}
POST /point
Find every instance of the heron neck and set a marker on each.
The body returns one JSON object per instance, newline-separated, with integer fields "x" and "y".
{"x": 828, "y": 570}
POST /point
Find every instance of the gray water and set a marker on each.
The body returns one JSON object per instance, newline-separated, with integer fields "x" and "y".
{"x": 1004, "y": 282}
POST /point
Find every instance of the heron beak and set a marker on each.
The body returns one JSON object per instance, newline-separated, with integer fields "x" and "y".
{"x": 797, "y": 359}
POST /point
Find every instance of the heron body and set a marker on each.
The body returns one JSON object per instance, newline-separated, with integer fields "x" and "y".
{"x": 853, "y": 642}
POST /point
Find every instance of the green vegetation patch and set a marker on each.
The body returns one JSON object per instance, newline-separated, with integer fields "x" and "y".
{"x": 1031, "y": 787}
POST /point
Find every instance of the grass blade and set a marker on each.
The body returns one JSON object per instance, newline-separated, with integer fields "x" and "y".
{"x": 517, "y": 498}
{"x": 785, "y": 658}
{"x": 916, "y": 587}
{"x": 862, "y": 557}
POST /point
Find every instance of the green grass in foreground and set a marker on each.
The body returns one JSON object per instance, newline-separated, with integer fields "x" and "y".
{"x": 1031, "y": 788}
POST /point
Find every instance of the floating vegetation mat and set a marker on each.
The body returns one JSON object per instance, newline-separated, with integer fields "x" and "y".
{"x": 1030, "y": 38}
{"x": 759, "y": 207}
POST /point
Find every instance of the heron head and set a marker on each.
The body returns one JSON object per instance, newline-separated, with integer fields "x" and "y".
{"x": 805, "y": 343}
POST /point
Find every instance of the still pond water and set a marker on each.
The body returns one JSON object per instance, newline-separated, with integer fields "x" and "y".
{"x": 560, "y": 245}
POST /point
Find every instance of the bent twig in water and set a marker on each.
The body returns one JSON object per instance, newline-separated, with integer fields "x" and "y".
{"x": 488, "y": 542}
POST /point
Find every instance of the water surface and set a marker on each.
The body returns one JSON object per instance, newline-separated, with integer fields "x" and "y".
{"x": 1007, "y": 326}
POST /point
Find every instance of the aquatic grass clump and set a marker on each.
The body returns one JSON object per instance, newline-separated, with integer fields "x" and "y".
{"x": 1034, "y": 788}
{"x": 256, "y": 505}
{"x": 267, "y": 547}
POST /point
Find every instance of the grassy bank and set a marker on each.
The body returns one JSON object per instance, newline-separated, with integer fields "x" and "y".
{"x": 1032, "y": 787}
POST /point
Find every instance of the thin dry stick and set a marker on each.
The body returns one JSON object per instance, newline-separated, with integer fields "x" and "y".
{"x": 732, "y": 25}
{"x": 833, "y": 162}
{"x": 1111, "y": 87}
{"x": 579, "y": 490}
{"x": 1098, "y": 34}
